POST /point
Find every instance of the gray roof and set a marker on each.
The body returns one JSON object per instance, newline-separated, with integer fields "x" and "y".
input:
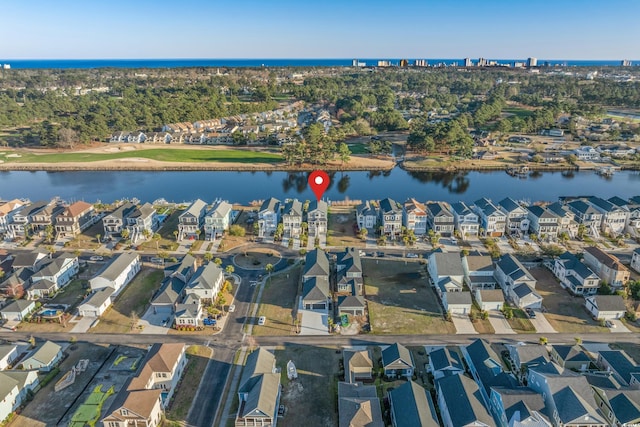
{"x": 118, "y": 265}
{"x": 522, "y": 290}
{"x": 33, "y": 208}
{"x": 542, "y": 212}
{"x": 53, "y": 267}
{"x": 366, "y": 209}
{"x": 184, "y": 267}
{"x": 170, "y": 292}
{"x": 27, "y": 259}
{"x": 396, "y": 356}
{"x": 46, "y": 353}
{"x": 315, "y": 288}
{"x": 205, "y": 277}
{"x": 220, "y": 209}
{"x": 605, "y": 205}
{"x": 196, "y": 208}
{"x": 448, "y": 263}
{"x": 123, "y": 211}
{"x": 491, "y": 295}
{"x": 479, "y": 263}
{"x": 609, "y": 302}
{"x": 509, "y": 205}
{"x": 98, "y": 298}
{"x": 293, "y": 208}
{"x": 571, "y": 353}
{"x": 464, "y": 400}
{"x": 350, "y": 258}
{"x": 358, "y": 405}
{"x": 260, "y": 383}
{"x": 461, "y": 208}
{"x": 531, "y": 355}
{"x": 521, "y": 400}
{"x": 513, "y": 268}
{"x": 487, "y": 206}
{"x": 351, "y": 301}
{"x": 625, "y": 405}
{"x": 388, "y": 205}
{"x": 259, "y": 361}
{"x": 558, "y": 209}
{"x": 582, "y": 207}
{"x": 573, "y": 399}
{"x": 443, "y": 358}
{"x": 571, "y": 262}
{"x": 5, "y": 349}
{"x": 271, "y": 204}
{"x": 143, "y": 211}
{"x": 18, "y": 306}
{"x": 439, "y": 208}
{"x": 316, "y": 263}
{"x": 621, "y": 363}
{"x": 320, "y": 205}
{"x": 7, "y": 384}
{"x": 488, "y": 365}
{"x": 412, "y": 406}
{"x": 457, "y": 298}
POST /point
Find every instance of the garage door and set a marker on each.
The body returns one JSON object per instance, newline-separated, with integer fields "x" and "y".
{"x": 89, "y": 313}
{"x": 318, "y": 306}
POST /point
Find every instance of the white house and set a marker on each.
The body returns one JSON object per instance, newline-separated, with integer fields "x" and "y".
{"x": 218, "y": 220}
{"x": 465, "y": 219}
{"x": 614, "y": 217}
{"x": 492, "y": 220}
{"x": 118, "y": 273}
{"x": 191, "y": 221}
{"x": 44, "y": 358}
{"x": 587, "y": 154}
{"x": 96, "y": 303}
{"x": 489, "y": 299}
{"x": 446, "y": 272}
{"x": 390, "y": 213}
{"x": 575, "y": 276}
{"x": 414, "y": 216}
{"x": 635, "y": 260}
{"x": 510, "y": 272}
{"x": 14, "y": 386}
{"x": 317, "y": 218}
{"x": 18, "y": 310}
{"x": 478, "y": 272}
{"x": 457, "y": 302}
{"x": 268, "y": 217}
{"x": 543, "y": 222}
{"x": 8, "y": 355}
{"x": 366, "y": 216}
{"x": 292, "y": 218}
{"x": 206, "y": 282}
{"x": 54, "y": 276}
{"x": 605, "y": 306}
{"x": 524, "y": 296}
{"x": 517, "y": 219}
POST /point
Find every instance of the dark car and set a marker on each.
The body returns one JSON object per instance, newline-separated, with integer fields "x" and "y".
{"x": 530, "y": 313}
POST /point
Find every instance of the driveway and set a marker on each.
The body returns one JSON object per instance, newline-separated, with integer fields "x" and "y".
{"x": 463, "y": 324}
{"x": 152, "y": 322}
{"x": 314, "y": 322}
{"x": 499, "y": 323}
{"x": 83, "y": 325}
{"x": 619, "y": 327}
{"x": 541, "y": 324}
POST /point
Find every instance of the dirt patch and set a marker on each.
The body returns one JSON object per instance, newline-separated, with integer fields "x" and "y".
{"x": 257, "y": 258}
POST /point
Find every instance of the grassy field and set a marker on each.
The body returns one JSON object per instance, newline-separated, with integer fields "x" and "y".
{"x": 518, "y": 112}
{"x": 480, "y": 325}
{"x": 520, "y": 323}
{"x": 358, "y": 148}
{"x": 197, "y": 359}
{"x": 176, "y": 155}
{"x": 277, "y": 304}
{"x": 400, "y": 300}
{"x": 341, "y": 227}
{"x": 88, "y": 238}
{"x": 566, "y": 313}
{"x": 311, "y": 400}
{"x": 133, "y": 299}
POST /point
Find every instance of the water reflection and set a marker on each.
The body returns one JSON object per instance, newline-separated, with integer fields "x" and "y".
{"x": 455, "y": 182}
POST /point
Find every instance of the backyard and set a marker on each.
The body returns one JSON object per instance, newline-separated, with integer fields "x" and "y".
{"x": 566, "y": 313}
{"x": 167, "y": 240}
{"x": 400, "y": 300}
{"x": 342, "y": 226}
{"x": 277, "y": 304}
{"x": 197, "y": 359}
{"x": 131, "y": 303}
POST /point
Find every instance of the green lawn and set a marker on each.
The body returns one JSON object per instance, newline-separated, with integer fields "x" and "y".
{"x": 358, "y": 148}
{"x": 177, "y": 155}
{"x": 518, "y": 112}
{"x": 277, "y": 303}
{"x": 197, "y": 360}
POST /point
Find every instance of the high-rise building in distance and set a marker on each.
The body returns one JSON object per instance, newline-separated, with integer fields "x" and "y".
{"x": 625, "y": 63}
{"x": 468, "y": 62}
{"x": 532, "y": 62}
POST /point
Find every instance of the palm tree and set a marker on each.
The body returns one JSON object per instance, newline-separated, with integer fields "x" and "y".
{"x": 175, "y": 234}
{"x": 198, "y": 232}
{"x": 208, "y": 256}
{"x": 157, "y": 238}
{"x": 125, "y": 234}
{"x": 269, "y": 269}
{"x": 98, "y": 238}
{"x": 146, "y": 233}
{"x": 217, "y": 262}
{"x": 229, "y": 269}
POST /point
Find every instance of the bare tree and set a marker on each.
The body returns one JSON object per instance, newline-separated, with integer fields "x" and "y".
{"x": 67, "y": 138}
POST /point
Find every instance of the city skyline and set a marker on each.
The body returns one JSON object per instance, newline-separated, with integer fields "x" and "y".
{"x": 495, "y": 29}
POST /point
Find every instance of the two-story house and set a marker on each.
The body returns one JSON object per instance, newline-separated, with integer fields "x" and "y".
{"x": 519, "y": 406}
{"x": 614, "y": 217}
{"x": 206, "y": 282}
{"x": 485, "y": 366}
{"x": 397, "y": 361}
{"x": 587, "y": 216}
{"x": 74, "y": 219}
{"x": 465, "y": 219}
{"x": 460, "y": 402}
{"x": 292, "y": 218}
{"x": 517, "y": 218}
{"x": 543, "y": 222}
{"x": 7, "y": 211}
{"x": 493, "y": 221}
{"x": 478, "y": 272}
{"x": 349, "y": 283}
{"x": 46, "y": 217}
{"x": 390, "y": 217}
{"x": 268, "y": 217}
{"x": 608, "y": 267}
{"x": 566, "y": 219}
{"x": 318, "y": 218}
{"x": 116, "y": 221}
{"x": 575, "y": 276}
{"x": 440, "y": 219}
{"x": 191, "y": 221}
{"x": 53, "y": 276}
{"x": 258, "y": 391}
{"x": 517, "y": 283}
{"x": 635, "y": 260}
{"x": 414, "y": 216}
{"x": 21, "y": 226}
{"x": 367, "y": 216}
{"x": 118, "y": 273}
{"x": 141, "y": 222}
{"x": 218, "y": 220}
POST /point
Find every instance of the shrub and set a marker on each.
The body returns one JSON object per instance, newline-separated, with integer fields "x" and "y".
{"x": 236, "y": 230}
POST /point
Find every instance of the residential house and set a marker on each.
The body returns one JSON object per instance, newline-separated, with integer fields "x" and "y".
{"x": 367, "y": 216}
{"x": 608, "y": 268}
{"x": 96, "y": 303}
{"x": 315, "y": 293}
{"x": 135, "y": 408}
{"x": 45, "y": 218}
{"x": 15, "y": 283}
{"x": 292, "y": 218}
{"x": 446, "y": 272}
{"x": 32, "y": 261}
{"x": 118, "y": 273}
{"x": 258, "y": 391}
{"x": 618, "y": 362}
{"x": 587, "y": 216}
{"x": 587, "y": 154}
{"x": 141, "y": 222}
{"x": 218, "y": 220}
{"x": 460, "y": 402}
{"x": 191, "y": 221}
{"x": 14, "y": 389}
{"x": 206, "y": 282}
{"x": 445, "y": 361}
{"x": 478, "y": 272}
{"x": 21, "y": 227}
{"x": 7, "y": 211}
{"x": 54, "y": 276}
{"x": 543, "y": 222}
{"x": 8, "y": 355}
{"x": 457, "y": 302}
{"x": 410, "y": 405}
{"x": 568, "y": 397}
{"x": 633, "y": 224}
{"x": 524, "y": 296}
{"x": 397, "y": 361}
{"x": 317, "y": 218}
{"x": 357, "y": 365}
{"x": 519, "y": 406}
{"x": 510, "y": 274}
{"x": 466, "y": 221}
{"x": 74, "y": 219}
{"x": 390, "y": 217}
{"x": 268, "y": 217}
{"x": 162, "y": 368}
{"x": 620, "y": 407}
{"x": 575, "y": 276}
{"x": 440, "y": 219}
{"x": 489, "y": 299}
{"x": 614, "y": 217}
{"x": 571, "y": 357}
{"x": 18, "y": 310}
{"x": 414, "y": 216}
{"x": 635, "y": 260}
{"x": 116, "y": 221}
{"x": 517, "y": 216}
{"x": 176, "y": 277}
{"x": 527, "y": 356}
{"x": 316, "y": 264}
{"x": 485, "y": 366}
{"x": 44, "y": 358}
{"x": 605, "y": 306}
{"x": 189, "y": 312}
{"x": 358, "y": 406}
{"x": 566, "y": 219}
{"x": 354, "y": 305}
{"x": 493, "y": 221}
{"x": 349, "y": 284}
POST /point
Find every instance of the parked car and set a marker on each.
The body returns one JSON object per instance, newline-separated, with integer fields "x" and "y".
{"x": 209, "y": 321}
{"x": 262, "y": 320}
{"x": 412, "y": 255}
{"x": 232, "y": 308}
{"x": 281, "y": 410}
{"x": 96, "y": 258}
{"x": 157, "y": 260}
{"x": 610, "y": 324}
{"x": 530, "y": 313}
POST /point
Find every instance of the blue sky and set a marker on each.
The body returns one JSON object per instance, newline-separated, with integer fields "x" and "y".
{"x": 552, "y": 29}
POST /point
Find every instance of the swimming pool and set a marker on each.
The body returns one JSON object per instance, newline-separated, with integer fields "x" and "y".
{"x": 49, "y": 312}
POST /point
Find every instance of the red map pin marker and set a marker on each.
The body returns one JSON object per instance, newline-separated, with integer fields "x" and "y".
{"x": 319, "y": 182}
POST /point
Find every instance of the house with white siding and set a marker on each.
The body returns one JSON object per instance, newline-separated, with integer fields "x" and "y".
{"x": 414, "y": 216}
{"x": 493, "y": 221}
{"x": 118, "y": 273}
{"x": 575, "y": 276}
{"x": 466, "y": 221}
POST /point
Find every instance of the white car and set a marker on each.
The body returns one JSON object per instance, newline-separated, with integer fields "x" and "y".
{"x": 410, "y": 255}
{"x": 157, "y": 260}
{"x": 262, "y": 320}
{"x": 96, "y": 258}
{"x": 232, "y": 308}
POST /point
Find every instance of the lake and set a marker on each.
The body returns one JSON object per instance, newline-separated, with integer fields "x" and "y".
{"x": 244, "y": 187}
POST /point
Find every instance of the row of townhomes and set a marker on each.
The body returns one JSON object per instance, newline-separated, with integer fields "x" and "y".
{"x": 589, "y": 216}
{"x": 279, "y": 123}
{"x": 292, "y": 214}
{"x": 22, "y": 218}
{"x": 199, "y": 217}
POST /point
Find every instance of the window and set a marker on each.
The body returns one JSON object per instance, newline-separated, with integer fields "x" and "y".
{"x": 124, "y": 412}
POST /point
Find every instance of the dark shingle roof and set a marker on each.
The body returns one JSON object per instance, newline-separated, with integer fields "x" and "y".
{"x": 609, "y": 303}
{"x": 412, "y": 406}
{"x": 488, "y": 365}
{"x": 448, "y": 263}
{"x": 521, "y": 399}
{"x": 395, "y": 352}
{"x": 388, "y": 205}
{"x": 444, "y": 358}
{"x": 463, "y": 400}
{"x": 316, "y": 263}
{"x": 571, "y": 262}
{"x": 571, "y": 353}
{"x": 625, "y": 405}
{"x": 315, "y": 288}
{"x": 621, "y": 363}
